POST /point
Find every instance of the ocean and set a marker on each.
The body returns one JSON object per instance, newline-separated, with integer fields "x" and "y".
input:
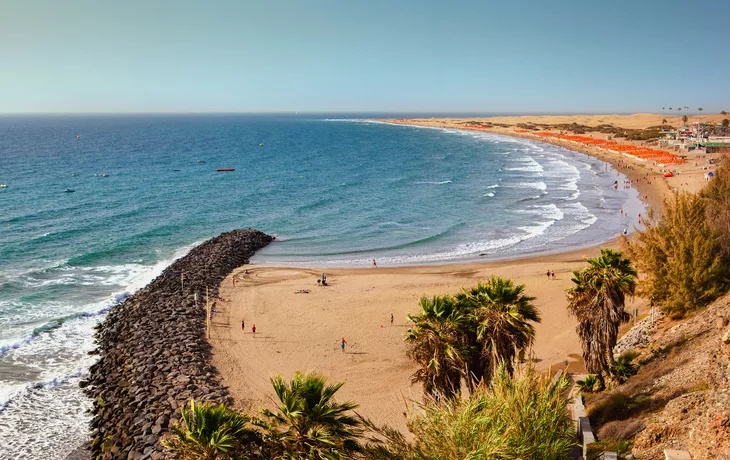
{"x": 96, "y": 206}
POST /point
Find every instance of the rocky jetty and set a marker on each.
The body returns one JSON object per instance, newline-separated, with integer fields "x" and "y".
{"x": 153, "y": 354}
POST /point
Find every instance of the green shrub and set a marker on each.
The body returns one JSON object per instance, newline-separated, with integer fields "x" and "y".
{"x": 517, "y": 418}
{"x": 622, "y": 369}
{"x": 590, "y": 384}
{"x": 680, "y": 256}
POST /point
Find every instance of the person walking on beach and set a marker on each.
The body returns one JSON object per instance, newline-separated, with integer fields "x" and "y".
{"x": 548, "y": 274}
{"x": 243, "y": 326}
{"x": 342, "y": 344}
{"x": 553, "y": 274}
{"x": 253, "y": 330}
{"x": 375, "y": 265}
{"x": 391, "y": 319}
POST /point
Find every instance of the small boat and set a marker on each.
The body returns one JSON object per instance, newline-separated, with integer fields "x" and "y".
{"x": 3, "y": 186}
{"x": 68, "y": 190}
{"x": 225, "y": 169}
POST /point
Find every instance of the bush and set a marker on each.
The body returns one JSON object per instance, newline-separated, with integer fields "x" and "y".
{"x": 717, "y": 195}
{"x": 618, "y": 406}
{"x": 590, "y": 384}
{"x": 680, "y": 256}
{"x": 519, "y": 418}
{"x": 622, "y": 369}
{"x": 623, "y": 430}
{"x": 629, "y": 355}
{"x": 596, "y": 448}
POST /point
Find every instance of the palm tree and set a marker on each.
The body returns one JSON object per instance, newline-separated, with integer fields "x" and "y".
{"x": 589, "y": 384}
{"x": 597, "y": 300}
{"x": 309, "y": 423}
{"x": 208, "y": 432}
{"x": 437, "y": 342}
{"x": 501, "y": 313}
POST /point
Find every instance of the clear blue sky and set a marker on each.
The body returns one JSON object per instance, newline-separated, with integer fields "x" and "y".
{"x": 366, "y": 55}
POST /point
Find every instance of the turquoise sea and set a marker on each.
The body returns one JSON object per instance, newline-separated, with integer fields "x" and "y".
{"x": 96, "y": 206}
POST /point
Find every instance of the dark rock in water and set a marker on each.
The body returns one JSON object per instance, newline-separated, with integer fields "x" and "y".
{"x": 153, "y": 355}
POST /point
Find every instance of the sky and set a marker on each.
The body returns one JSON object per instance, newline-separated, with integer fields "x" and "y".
{"x": 506, "y": 56}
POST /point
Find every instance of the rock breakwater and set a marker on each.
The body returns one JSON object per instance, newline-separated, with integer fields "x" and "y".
{"x": 153, "y": 355}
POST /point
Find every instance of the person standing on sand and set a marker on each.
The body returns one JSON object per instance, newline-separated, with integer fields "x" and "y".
{"x": 391, "y": 319}
{"x": 342, "y": 344}
{"x": 375, "y": 265}
{"x": 253, "y": 330}
{"x": 553, "y": 274}
{"x": 548, "y": 274}
{"x": 243, "y": 326}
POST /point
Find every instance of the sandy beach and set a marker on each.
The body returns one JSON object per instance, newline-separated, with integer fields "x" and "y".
{"x": 302, "y": 331}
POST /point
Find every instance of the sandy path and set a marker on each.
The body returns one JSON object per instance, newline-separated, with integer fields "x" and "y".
{"x": 303, "y": 331}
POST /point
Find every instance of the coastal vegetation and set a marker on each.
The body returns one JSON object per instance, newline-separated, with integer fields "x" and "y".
{"x": 468, "y": 336}
{"x": 597, "y": 301}
{"x": 309, "y": 423}
{"x": 684, "y": 255}
{"x": 518, "y": 416}
{"x": 208, "y": 431}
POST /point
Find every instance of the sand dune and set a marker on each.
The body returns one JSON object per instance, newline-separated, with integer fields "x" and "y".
{"x": 634, "y": 121}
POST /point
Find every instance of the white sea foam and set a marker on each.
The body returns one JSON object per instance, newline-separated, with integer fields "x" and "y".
{"x": 489, "y": 194}
{"x": 536, "y": 185}
{"x": 46, "y": 414}
{"x": 537, "y": 229}
{"x": 548, "y": 211}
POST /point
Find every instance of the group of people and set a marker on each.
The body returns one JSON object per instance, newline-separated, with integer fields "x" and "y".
{"x": 243, "y": 328}
{"x": 550, "y": 275}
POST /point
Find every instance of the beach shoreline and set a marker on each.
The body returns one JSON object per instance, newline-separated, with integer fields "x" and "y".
{"x": 299, "y": 323}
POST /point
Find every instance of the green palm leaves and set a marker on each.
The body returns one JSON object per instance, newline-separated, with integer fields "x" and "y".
{"x": 597, "y": 301}
{"x": 502, "y": 314}
{"x": 207, "y": 432}
{"x": 309, "y": 423}
{"x": 437, "y": 343}
{"x": 470, "y": 335}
